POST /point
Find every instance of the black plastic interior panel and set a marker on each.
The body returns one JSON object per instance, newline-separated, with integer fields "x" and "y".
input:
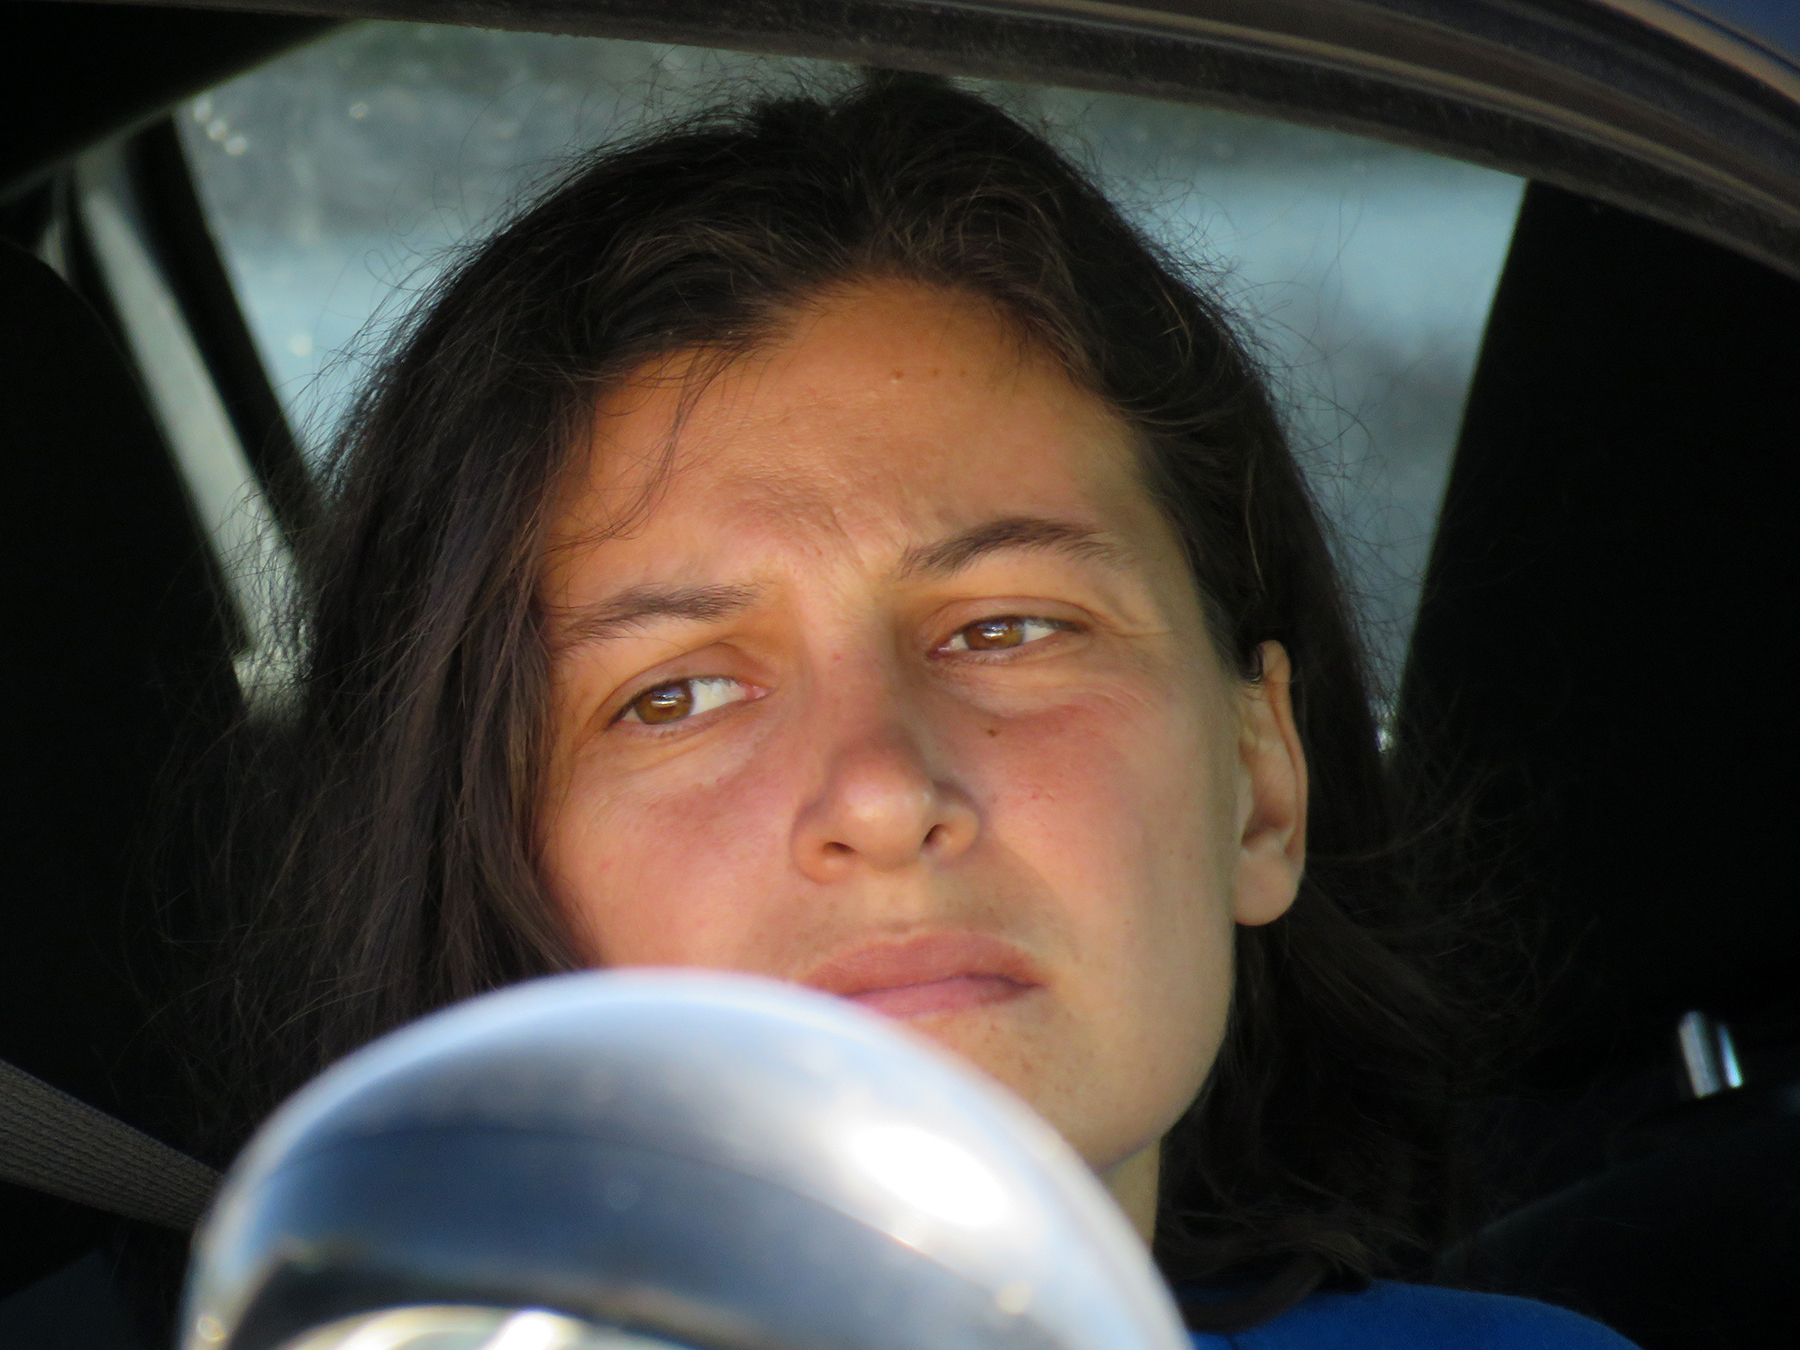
{"x": 74, "y": 74}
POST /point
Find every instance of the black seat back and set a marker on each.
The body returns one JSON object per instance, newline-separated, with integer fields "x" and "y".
{"x": 115, "y": 650}
{"x": 1602, "y": 660}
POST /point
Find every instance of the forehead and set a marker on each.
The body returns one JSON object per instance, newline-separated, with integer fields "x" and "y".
{"x": 880, "y": 415}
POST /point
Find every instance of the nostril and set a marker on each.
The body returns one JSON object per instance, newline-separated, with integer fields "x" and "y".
{"x": 838, "y": 849}
{"x": 934, "y": 835}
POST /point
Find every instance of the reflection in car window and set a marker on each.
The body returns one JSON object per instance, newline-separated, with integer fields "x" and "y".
{"x": 339, "y": 177}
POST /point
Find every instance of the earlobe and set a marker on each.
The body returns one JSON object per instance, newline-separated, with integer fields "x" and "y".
{"x": 1272, "y": 804}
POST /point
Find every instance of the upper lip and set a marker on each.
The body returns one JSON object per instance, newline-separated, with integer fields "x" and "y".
{"x": 903, "y": 963}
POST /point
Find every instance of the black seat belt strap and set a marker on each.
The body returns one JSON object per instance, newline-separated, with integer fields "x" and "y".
{"x": 58, "y": 1144}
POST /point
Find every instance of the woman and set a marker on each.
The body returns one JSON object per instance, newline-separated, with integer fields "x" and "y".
{"x": 828, "y": 541}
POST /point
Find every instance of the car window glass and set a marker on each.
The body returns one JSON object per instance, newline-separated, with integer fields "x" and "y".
{"x": 340, "y": 177}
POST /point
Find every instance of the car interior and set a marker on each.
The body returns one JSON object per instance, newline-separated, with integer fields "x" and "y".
{"x": 1588, "y": 665}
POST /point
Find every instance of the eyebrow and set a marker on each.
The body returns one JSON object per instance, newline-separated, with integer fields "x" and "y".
{"x": 642, "y": 605}
{"x": 949, "y": 556}
{"x": 645, "y": 604}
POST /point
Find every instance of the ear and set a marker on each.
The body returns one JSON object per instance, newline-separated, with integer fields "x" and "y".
{"x": 1271, "y": 795}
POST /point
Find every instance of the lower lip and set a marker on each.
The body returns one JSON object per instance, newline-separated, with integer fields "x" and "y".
{"x": 956, "y": 994}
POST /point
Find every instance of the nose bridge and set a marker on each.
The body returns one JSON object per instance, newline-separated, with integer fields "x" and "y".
{"x": 881, "y": 799}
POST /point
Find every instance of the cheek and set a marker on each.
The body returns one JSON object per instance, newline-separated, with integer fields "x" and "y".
{"x": 1125, "y": 803}
{"x": 1123, "y": 810}
{"x": 659, "y": 874}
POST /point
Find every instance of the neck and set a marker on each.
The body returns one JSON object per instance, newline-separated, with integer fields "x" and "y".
{"x": 1133, "y": 1185}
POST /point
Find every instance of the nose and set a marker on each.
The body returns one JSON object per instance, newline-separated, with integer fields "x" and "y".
{"x": 880, "y": 808}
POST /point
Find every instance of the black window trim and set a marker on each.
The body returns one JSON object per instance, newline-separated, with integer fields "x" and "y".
{"x": 1614, "y": 99}
{"x": 188, "y": 254}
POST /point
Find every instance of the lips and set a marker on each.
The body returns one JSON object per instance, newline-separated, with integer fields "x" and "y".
{"x": 939, "y": 973}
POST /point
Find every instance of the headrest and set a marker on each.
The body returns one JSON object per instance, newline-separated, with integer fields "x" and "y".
{"x": 113, "y": 639}
{"x": 1597, "y": 661}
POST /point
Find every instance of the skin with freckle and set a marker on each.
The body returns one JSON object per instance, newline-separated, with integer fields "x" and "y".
{"x": 835, "y": 734}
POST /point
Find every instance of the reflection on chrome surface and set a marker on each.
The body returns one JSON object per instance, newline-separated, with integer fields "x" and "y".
{"x": 449, "y": 1327}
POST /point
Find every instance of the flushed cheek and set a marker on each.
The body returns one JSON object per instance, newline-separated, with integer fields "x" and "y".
{"x": 1111, "y": 812}
{"x": 663, "y": 877}
{"x": 1103, "y": 795}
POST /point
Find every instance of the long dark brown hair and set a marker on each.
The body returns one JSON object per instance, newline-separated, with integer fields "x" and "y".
{"x": 386, "y": 828}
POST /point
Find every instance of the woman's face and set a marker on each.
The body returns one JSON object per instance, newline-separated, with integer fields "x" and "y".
{"x": 880, "y": 672}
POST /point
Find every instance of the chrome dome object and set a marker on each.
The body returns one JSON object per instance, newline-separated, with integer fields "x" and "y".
{"x": 619, "y": 1161}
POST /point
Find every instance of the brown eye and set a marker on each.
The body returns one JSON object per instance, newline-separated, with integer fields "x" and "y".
{"x": 991, "y": 634}
{"x": 1003, "y": 631}
{"x": 679, "y": 700}
{"x": 665, "y": 703}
